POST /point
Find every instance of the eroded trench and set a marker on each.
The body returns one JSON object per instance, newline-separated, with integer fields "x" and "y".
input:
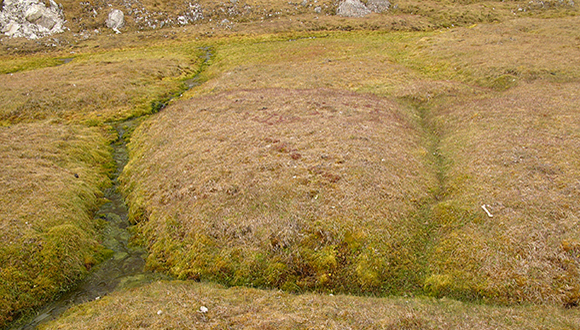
{"x": 126, "y": 267}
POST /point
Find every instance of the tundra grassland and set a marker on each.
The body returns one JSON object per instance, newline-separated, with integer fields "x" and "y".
{"x": 51, "y": 181}
{"x": 321, "y": 154}
{"x": 56, "y": 159}
{"x": 296, "y": 189}
{"x": 517, "y": 154}
{"x": 423, "y": 75}
{"x": 176, "y": 305}
{"x": 97, "y": 87}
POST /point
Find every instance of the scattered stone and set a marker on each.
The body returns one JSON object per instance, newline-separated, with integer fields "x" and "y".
{"x": 116, "y": 20}
{"x": 378, "y": 6}
{"x": 352, "y": 8}
{"x": 159, "y": 312}
{"x": 30, "y": 19}
{"x": 318, "y": 10}
{"x": 203, "y": 309}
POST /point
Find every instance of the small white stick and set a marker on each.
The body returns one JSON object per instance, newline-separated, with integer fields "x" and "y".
{"x": 486, "y": 211}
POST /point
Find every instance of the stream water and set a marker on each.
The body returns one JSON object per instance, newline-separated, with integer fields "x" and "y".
{"x": 124, "y": 269}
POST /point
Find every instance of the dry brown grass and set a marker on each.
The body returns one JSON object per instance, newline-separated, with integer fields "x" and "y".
{"x": 96, "y": 88}
{"x": 311, "y": 189}
{"x": 215, "y": 176}
{"x": 49, "y": 186}
{"x": 501, "y": 56}
{"x": 359, "y": 62}
{"x": 241, "y": 308}
{"x": 517, "y": 152}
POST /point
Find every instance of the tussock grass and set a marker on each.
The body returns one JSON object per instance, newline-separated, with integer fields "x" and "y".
{"x": 242, "y": 308}
{"x": 49, "y": 186}
{"x": 518, "y": 153}
{"x": 295, "y": 189}
{"x": 96, "y": 88}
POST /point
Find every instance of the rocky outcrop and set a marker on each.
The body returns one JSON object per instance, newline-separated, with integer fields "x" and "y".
{"x": 355, "y": 8}
{"x": 352, "y": 8}
{"x": 30, "y": 19}
{"x": 378, "y": 6}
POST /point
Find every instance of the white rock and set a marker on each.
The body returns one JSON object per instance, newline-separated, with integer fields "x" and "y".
{"x": 352, "y": 8}
{"x": 378, "y": 6}
{"x": 47, "y": 22}
{"x": 116, "y": 20}
{"x": 30, "y": 19}
{"x": 10, "y": 28}
{"x": 203, "y": 309}
{"x": 33, "y": 13}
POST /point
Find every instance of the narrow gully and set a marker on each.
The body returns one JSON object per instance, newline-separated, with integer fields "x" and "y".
{"x": 126, "y": 267}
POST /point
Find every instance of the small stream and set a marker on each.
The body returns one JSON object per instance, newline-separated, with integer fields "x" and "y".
{"x": 126, "y": 267}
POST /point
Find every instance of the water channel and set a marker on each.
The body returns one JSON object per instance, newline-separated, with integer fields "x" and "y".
{"x": 126, "y": 268}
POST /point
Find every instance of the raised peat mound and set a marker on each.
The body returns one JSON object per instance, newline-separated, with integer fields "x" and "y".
{"x": 49, "y": 186}
{"x": 295, "y": 189}
{"x": 517, "y": 153}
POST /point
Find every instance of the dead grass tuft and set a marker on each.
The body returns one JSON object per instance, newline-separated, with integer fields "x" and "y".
{"x": 298, "y": 190}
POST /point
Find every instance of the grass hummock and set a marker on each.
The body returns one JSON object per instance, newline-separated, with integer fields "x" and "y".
{"x": 295, "y": 189}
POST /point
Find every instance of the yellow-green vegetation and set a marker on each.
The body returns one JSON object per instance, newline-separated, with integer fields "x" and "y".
{"x": 54, "y": 167}
{"x": 517, "y": 153}
{"x": 296, "y": 189}
{"x": 176, "y": 305}
{"x": 50, "y": 184}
